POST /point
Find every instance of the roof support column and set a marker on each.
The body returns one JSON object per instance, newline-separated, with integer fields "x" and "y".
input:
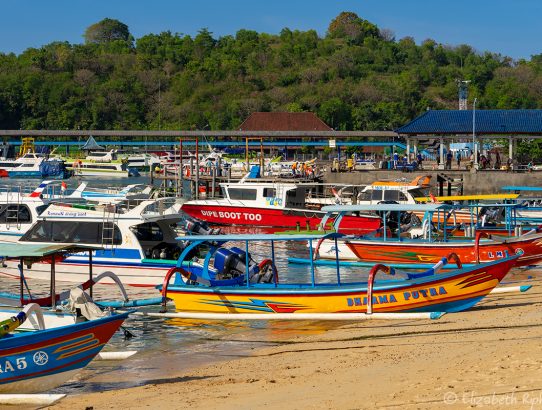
{"x": 441, "y": 154}
{"x": 510, "y": 147}
{"x": 408, "y": 149}
{"x": 475, "y": 142}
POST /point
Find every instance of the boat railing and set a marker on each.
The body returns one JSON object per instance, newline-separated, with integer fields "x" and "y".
{"x": 159, "y": 207}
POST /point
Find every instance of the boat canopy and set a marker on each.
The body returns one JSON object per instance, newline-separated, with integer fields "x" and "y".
{"x": 256, "y": 237}
{"x": 521, "y": 188}
{"x": 387, "y": 207}
{"x": 20, "y": 250}
{"x": 482, "y": 197}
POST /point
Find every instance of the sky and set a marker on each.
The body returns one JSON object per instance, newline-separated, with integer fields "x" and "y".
{"x": 511, "y": 28}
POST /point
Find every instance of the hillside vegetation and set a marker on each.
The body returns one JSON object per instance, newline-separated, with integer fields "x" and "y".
{"x": 356, "y": 77}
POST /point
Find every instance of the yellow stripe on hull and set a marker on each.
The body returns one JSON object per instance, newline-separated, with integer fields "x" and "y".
{"x": 455, "y": 289}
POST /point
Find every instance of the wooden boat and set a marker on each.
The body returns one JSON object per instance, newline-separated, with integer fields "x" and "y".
{"x": 430, "y": 249}
{"x": 237, "y": 284}
{"x": 74, "y": 311}
{"x": 42, "y": 348}
{"x": 41, "y": 360}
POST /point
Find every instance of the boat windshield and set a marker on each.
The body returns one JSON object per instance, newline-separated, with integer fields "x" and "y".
{"x": 419, "y": 192}
{"x": 72, "y": 232}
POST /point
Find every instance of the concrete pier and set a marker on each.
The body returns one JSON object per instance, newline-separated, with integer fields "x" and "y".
{"x": 480, "y": 182}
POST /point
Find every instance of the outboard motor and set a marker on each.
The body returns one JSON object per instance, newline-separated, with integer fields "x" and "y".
{"x": 200, "y": 228}
{"x": 231, "y": 263}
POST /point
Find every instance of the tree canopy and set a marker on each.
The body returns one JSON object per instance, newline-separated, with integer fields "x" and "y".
{"x": 106, "y": 31}
{"x": 357, "y": 77}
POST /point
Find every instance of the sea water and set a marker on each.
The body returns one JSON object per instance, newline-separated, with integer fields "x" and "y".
{"x": 169, "y": 347}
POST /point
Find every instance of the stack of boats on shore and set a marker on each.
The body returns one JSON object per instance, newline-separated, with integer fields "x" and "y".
{"x": 434, "y": 258}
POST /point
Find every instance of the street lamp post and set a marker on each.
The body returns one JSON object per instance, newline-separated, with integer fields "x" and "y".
{"x": 474, "y": 146}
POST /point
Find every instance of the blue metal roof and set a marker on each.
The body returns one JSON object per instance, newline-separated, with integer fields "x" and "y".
{"x": 487, "y": 122}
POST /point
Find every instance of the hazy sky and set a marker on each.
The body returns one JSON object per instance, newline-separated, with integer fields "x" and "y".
{"x": 510, "y": 27}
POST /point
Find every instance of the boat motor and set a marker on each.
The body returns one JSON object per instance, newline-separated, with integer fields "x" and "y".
{"x": 231, "y": 263}
{"x": 199, "y": 228}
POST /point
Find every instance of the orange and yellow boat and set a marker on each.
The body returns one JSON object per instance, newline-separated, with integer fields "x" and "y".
{"x": 233, "y": 283}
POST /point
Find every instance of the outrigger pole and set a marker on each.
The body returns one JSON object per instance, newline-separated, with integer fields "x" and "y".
{"x": 293, "y": 316}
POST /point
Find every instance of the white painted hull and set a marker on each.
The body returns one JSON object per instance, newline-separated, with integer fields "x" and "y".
{"x": 78, "y": 273}
{"x": 93, "y": 173}
{"x": 51, "y": 319}
{"x": 38, "y": 384}
{"x": 327, "y": 251}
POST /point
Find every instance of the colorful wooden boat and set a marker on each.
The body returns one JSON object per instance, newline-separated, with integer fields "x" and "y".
{"x": 236, "y": 284}
{"x": 41, "y": 360}
{"x": 430, "y": 249}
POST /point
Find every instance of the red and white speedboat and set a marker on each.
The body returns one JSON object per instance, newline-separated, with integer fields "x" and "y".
{"x": 272, "y": 205}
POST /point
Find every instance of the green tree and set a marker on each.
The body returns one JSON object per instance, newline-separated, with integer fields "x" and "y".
{"x": 350, "y": 26}
{"x": 107, "y": 30}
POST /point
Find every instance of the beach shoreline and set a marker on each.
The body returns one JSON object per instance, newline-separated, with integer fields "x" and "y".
{"x": 488, "y": 356}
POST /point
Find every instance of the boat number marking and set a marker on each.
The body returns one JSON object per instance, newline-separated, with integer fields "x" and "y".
{"x": 7, "y": 366}
{"x": 243, "y": 216}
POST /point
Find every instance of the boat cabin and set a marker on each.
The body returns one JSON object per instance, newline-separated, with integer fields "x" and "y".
{"x": 402, "y": 192}
{"x": 108, "y": 156}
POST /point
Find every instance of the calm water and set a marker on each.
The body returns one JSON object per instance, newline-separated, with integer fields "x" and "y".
{"x": 169, "y": 347}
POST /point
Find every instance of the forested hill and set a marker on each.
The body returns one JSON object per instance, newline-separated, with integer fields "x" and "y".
{"x": 355, "y": 77}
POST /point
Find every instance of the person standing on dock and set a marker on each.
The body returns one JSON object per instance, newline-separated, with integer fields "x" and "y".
{"x": 449, "y": 160}
{"x": 458, "y": 158}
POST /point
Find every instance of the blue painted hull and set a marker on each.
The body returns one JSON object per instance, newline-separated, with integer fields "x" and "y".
{"x": 41, "y": 360}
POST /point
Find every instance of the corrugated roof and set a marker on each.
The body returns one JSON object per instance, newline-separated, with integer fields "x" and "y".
{"x": 504, "y": 122}
{"x": 283, "y": 121}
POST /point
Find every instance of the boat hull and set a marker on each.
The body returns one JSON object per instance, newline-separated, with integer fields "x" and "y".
{"x": 280, "y": 218}
{"x": 42, "y": 360}
{"x": 529, "y": 247}
{"x": 447, "y": 292}
{"x": 131, "y": 274}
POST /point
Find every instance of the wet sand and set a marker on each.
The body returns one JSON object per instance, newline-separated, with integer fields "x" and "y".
{"x": 488, "y": 356}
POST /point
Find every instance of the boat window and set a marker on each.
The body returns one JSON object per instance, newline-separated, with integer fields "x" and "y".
{"x": 94, "y": 166}
{"x": 295, "y": 198}
{"x": 269, "y": 192}
{"x": 419, "y": 193}
{"x": 73, "y": 232}
{"x": 150, "y": 231}
{"x": 402, "y": 197}
{"x": 376, "y": 195}
{"x": 15, "y": 214}
{"x": 242, "y": 193}
{"x": 41, "y": 208}
{"x": 366, "y": 195}
{"x": 390, "y": 195}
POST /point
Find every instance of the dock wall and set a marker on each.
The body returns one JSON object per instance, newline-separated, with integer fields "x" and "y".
{"x": 481, "y": 182}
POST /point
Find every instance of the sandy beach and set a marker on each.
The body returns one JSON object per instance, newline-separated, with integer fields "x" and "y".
{"x": 488, "y": 356}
